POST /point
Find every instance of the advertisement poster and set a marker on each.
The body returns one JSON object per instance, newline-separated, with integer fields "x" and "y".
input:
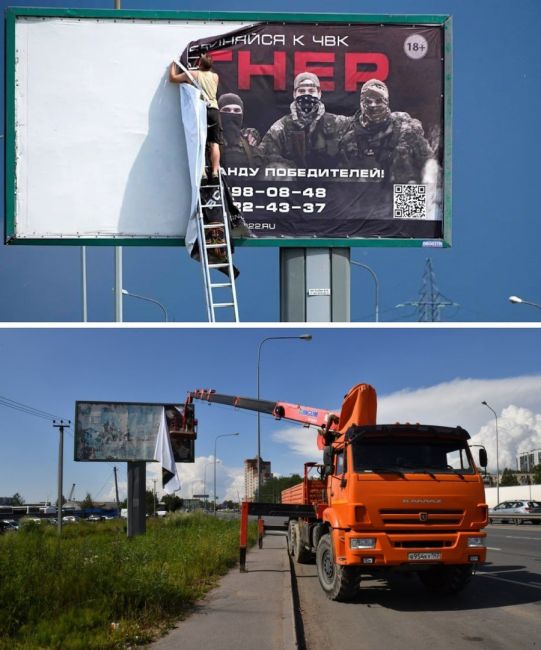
{"x": 332, "y": 130}
{"x": 111, "y": 431}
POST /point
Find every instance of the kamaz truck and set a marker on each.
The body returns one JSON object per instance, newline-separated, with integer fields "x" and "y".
{"x": 386, "y": 497}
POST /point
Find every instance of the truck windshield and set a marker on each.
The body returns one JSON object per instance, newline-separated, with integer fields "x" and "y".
{"x": 414, "y": 455}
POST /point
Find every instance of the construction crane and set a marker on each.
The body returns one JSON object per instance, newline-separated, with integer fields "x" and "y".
{"x": 328, "y": 423}
{"x": 70, "y": 497}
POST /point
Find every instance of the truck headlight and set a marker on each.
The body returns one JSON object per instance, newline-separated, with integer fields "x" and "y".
{"x": 362, "y": 542}
{"x": 476, "y": 541}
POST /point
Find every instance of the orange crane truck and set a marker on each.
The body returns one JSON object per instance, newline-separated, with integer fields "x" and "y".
{"x": 402, "y": 497}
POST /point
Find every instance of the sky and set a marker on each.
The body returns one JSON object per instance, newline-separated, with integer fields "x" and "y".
{"x": 496, "y": 225}
{"x": 428, "y": 375}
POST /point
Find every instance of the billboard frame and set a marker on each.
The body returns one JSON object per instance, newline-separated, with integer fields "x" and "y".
{"x": 10, "y": 189}
{"x": 101, "y": 460}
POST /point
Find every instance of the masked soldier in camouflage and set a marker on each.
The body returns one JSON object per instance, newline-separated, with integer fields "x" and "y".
{"x": 308, "y": 136}
{"x": 394, "y": 142}
{"x": 240, "y": 144}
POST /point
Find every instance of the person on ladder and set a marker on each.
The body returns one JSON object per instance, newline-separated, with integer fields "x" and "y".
{"x": 208, "y": 82}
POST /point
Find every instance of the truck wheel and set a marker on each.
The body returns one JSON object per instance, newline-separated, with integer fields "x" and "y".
{"x": 338, "y": 582}
{"x": 290, "y": 534}
{"x": 298, "y": 552}
{"x": 446, "y": 579}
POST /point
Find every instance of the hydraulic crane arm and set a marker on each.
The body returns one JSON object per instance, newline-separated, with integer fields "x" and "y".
{"x": 358, "y": 408}
{"x": 307, "y": 415}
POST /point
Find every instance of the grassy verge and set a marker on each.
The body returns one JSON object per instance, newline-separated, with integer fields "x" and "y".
{"x": 94, "y": 588}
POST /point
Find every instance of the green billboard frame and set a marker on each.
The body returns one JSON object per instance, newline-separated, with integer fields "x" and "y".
{"x": 12, "y": 13}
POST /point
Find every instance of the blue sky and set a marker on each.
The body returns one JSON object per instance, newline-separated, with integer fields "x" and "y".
{"x": 496, "y": 226}
{"x": 431, "y": 375}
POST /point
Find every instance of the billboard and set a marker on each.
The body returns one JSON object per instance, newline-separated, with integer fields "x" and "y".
{"x": 336, "y": 127}
{"x": 126, "y": 431}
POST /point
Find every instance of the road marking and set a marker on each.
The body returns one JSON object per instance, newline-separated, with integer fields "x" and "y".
{"x": 532, "y": 539}
{"x": 534, "y": 585}
{"x": 493, "y": 548}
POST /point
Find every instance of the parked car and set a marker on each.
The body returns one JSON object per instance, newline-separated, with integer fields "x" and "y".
{"x": 504, "y": 512}
{"x": 94, "y": 518}
{"x": 7, "y": 525}
{"x": 70, "y": 519}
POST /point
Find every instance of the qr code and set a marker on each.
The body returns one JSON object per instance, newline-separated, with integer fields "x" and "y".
{"x": 409, "y": 201}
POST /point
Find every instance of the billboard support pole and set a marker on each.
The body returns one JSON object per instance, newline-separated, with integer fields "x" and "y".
{"x": 83, "y": 284}
{"x": 118, "y": 285}
{"x": 137, "y": 471}
{"x": 118, "y": 266}
{"x": 315, "y": 285}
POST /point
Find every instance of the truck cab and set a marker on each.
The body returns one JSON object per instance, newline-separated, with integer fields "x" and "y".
{"x": 401, "y": 497}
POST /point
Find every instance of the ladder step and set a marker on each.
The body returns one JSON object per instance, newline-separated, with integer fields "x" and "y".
{"x": 215, "y": 245}
{"x": 218, "y": 266}
{"x": 213, "y": 205}
{"x": 208, "y": 226}
{"x": 204, "y": 187}
{"x": 223, "y": 304}
{"x": 221, "y": 285}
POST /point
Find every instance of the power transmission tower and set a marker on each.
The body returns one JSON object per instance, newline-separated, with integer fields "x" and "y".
{"x": 430, "y": 302}
{"x": 428, "y": 307}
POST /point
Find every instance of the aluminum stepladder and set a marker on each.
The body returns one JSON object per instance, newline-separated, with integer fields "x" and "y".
{"x": 214, "y": 199}
{"x": 211, "y": 196}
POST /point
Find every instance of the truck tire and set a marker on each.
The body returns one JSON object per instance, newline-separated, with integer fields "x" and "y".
{"x": 339, "y": 582}
{"x": 297, "y": 551}
{"x": 290, "y": 539}
{"x": 446, "y": 579}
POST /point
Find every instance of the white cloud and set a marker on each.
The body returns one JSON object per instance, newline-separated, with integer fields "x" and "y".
{"x": 516, "y": 400}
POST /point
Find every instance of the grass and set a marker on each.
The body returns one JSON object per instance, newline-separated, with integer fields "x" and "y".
{"x": 94, "y": 588}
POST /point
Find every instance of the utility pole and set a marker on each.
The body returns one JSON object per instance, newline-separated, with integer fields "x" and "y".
{"x": 116, "y": 492}
{"x": 60, "y": 425}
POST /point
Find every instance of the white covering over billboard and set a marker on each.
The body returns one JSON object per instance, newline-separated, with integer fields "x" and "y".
{"x": 100, "y": 152}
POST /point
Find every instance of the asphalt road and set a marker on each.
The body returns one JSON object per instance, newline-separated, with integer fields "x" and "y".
{"x": 500, "y": 608}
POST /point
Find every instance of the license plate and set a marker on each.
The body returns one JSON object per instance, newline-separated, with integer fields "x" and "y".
{"x": 416, "y": 557}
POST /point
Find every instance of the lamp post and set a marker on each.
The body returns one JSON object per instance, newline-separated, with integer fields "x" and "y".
{"x": 222, "y": 435}
{"x": 125, "y": 292}
{"x": 519, "y": 301}
{"x": 302, "y": 337}
{"x": 205, "y": 480}
{"x": 376, "y": 281}
{"x": 497, "y": 455}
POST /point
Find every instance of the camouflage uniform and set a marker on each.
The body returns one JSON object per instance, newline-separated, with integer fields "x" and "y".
{"x": 240, "y": 153}
{"x": 298, "y": 143}
{"x": 398, "y": 146}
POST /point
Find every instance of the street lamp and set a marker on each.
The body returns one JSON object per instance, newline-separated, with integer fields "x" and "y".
{"x": 125, "y": 292}
{"x": 497, "y": 456}
{"x": 222, "y": 435}
{"x": 302, "y": 337}
{"x": 205, "y": 479}
{"x": 376, "y": 301}
{"x": 519, "y": 301}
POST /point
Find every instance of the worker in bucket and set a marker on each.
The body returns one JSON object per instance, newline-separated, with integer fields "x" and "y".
{"x": 208, "y": 82}
{"x": 308, "y": 136}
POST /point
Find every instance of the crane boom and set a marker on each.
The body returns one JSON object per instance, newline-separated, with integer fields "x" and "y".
{"x": 307, "y": 415}
{"x": 358, "y": 408}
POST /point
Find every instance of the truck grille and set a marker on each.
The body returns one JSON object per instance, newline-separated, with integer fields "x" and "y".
{"x": 434, "y": 543}
{"x": 417, "y": 517}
